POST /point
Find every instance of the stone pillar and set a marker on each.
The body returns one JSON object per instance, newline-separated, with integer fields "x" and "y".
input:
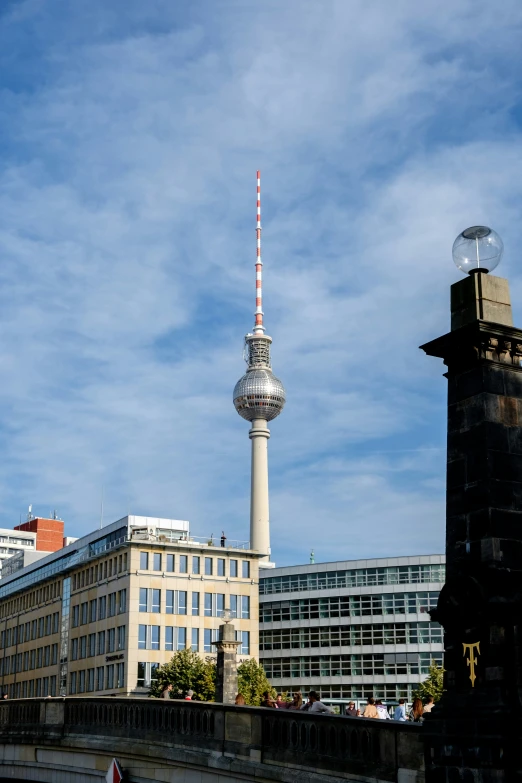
{"x": 475, "y": 733}
{"x": 226, "y": 681}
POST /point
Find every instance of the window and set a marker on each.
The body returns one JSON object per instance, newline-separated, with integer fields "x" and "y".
{"x": 150, "y": 600}
{"x": 144, "y": 563}
{"x": 90, "y": 679}
{"x": 244, "y": 648}
{"x": 92, "y": 611}
{"x": 170, "y": 563}
{"x": 39, "y": 658}
{"x": 41, "y": 626}
{"x": 81, "y": 685}
{"x": 156, "y": 561}
{"x": 245, "y": 607}
{"x": 72, "y": 687}
{"x": 112, "y": 605}
{"x": 183, "y": 564}
{"x": 48, "y": 621}
{"x": 84, "y": 613}
{"x": 75, "y": 617}
{"x": 54, "y": 654}
{"x": 221, "y": 566}
{"x": 233, "y": 605}
{"x": 147, "y": 674}
{"x": 120, "y": 675}
{"x": 122, "y": 601}
{"x": 209, "y": 636}
{"x": 110, "y": 676}
{"x": 195, "y": 640}
{"x": 176, "y": 602}
{"x": 195, "y": 604}
{"x": 121, "y": 637}
{"x": 111, "y": 640}
{"x": 208, "y": 566}
{"x": 47, "y": 656}
{"x": 99, "y": 678}
{"x": 83, "y": 647}
{"x": 101, "y": 643}
{"x": 169, "y": 638}
{"x": 92, "y": 645}
{"x": 245, "y": 569}
{"x": 220, "y": 605}
{"x": 148, "y": 637}
{"x": 182, "y": 638}
{"x": 102, "y": 607}
{"x": 169, "y": 602}
{"x": 208, "y": 604}
{"x": 196, "y": 565}
{"x": 233, "y": 567}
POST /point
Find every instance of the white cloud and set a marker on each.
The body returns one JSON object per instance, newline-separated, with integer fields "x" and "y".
{"x": 126, "y": 239}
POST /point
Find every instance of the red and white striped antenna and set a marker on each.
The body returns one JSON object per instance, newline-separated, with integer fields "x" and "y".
{"x": 259, "y": 328}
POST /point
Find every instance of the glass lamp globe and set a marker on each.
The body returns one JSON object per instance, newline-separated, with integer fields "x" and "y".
{"x": 477, "y": 249}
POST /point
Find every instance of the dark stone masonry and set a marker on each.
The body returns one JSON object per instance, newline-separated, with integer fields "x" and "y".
{"x": 476, "y": 732}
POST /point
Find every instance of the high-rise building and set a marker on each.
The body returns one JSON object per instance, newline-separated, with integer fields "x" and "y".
{"x": 101, "y": 615}
{"x": 13, "y": 543}
{"x": 259, "y": 397}
{"x": 49, "y": 532}
{"x": 351, "y": 629}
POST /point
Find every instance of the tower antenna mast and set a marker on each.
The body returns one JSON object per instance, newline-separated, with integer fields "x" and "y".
{"x": 259, "y": 397}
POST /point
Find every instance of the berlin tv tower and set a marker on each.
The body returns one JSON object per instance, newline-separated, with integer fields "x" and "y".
{"x": 259, "y": 397}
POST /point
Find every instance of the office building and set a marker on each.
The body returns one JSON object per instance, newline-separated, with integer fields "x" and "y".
{"x": 100, "y": 615}
{"x": 351, "y": 629}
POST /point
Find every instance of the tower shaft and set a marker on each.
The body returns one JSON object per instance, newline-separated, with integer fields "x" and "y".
{"x": 259, "y": 507}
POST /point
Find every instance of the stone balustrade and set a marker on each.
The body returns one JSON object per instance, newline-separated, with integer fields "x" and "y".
{"x": 224, "y": 739}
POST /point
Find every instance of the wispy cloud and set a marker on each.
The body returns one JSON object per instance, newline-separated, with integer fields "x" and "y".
{"x": 130, "y": 138}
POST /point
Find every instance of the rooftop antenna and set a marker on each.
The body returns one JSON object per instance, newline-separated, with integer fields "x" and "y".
{"x": 30, "y": 513}
{"x": 312, "y": 557}
{"x": 259, "y": 328}
{"x": 101, "y": 509}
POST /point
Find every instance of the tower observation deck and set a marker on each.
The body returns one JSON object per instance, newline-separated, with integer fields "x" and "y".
{"x": 259, "y": 397}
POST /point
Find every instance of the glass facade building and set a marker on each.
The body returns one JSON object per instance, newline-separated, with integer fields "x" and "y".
{"x": 351, "y": 629}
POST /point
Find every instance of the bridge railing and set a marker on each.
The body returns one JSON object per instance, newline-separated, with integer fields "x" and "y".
{"x": 192, "y": 731}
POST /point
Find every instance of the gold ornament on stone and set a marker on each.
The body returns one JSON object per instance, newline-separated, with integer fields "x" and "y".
{"x": 472, "y": 648}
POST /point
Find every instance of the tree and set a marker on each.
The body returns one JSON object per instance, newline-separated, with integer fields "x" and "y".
{"x": 187, "y": 671}
{"x": 432, "y": 685}
{"x": 252, "y": 682}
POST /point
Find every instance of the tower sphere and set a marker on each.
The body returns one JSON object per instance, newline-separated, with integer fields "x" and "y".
{"x": 259, "y": 395}
{"x": 478, "y": 248}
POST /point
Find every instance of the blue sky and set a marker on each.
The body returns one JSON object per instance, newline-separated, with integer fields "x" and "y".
{"x": 130, "y": 134}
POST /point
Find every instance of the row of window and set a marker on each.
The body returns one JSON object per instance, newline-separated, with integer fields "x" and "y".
{"x": 347, "y": 635}
{"x": 357, "y": 577}
{"x": 101, "y": 678}
{"x": 16, "y": 540}
{"x": 210, "y": 566}
{"x": 28, "y": 600}
{"x": 29, "y": 631}
{"x": 98, "y": 644}
{"x": 28, "y": 660}
{"x": 29, "y": 689}
{"x": 99, "y": 608}
{"x": 347, "y": 606}
{"x": 176, "y": 602}
{"x": 350, "y": 665}
{"x": 103, "y": 570}
{"x": 175, "y": 638}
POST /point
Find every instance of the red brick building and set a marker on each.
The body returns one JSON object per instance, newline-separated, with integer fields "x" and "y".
{"x": 49, "y": 533}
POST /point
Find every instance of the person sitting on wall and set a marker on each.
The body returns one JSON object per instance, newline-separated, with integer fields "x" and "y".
{"x": 190, "y": 694}
{"x": 267, "y": 701}
{"x": 370, "y": 711}
{"x": 316, "y": 705}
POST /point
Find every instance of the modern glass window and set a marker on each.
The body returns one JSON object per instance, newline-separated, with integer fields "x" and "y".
{"x": 233, "y": 605}
{"x": 196, "y": 564}
{"x": 148, "y": 637}
{"x": 84, "y": 613}
{"x": 42, "y": 620}
{"x": 111, "y": 640}
{"x": 169, "y": 602}
{"x": 156, "y": 560}
{"x": 209, "y": 636}
{"x": 195, "y": 604}
{"x": 144, "y": 562}
{"x": 195, "y": 640}
{"x": 54, "y": 654}
{"x": 90, "y": 679}
{"x": 245, "y": 569}
{"x": 72, "y": 686}
{"x": 147, "y": 674}
{"x": 101, "y": 643}
{"x": 221, "y": 566}
{"x": 142, "y": 637}
{"x": 150, "y": 600}
{"x": 176, "y": 602}
{"x": 112, "y": 605}
{"x": 39, "y": 659}
{"x": 208, "y": 604}
{"x": 48, "y": 620}
{"x": 122, "y": 601}
{"x": 244, "y": 648}
{"x": 81, "y": 685}
{"x": 208, "y": 566}
{"x": 182, "y": 601}
{"x": 169, "y": 638}
{"x": 245, "y": 607}
{"x": 220, "y": 604}
{"x": 110, "y": 676}
{"x": 83, "y": 647}
{"x": 92, "y": 645}
{"x": 100, "y": 671}
{"x": 92, "y": 610}
{"x": 170, "y": 563}
{"x": 120, "y": 675}
{"x": 183, "y": 564}
{"x": 182, "y": 638}
{"x": 75, "y": 617}
{"x": 74, "y": 650}
{"x": 121, "y": 637}
{"x": 47, "y": 656}
{"x": 154, "y": 637}
{"x": 102, "y": 607}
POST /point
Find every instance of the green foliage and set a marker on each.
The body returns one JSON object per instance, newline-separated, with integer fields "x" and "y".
{"x": 185, "y": 671}
{"x": 432, "y": 685}
{"x": 252, "y": 682}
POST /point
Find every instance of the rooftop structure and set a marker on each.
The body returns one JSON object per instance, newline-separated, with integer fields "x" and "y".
{"x": 259, "y": 397}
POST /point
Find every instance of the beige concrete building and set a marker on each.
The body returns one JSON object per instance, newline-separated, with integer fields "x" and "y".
{"x": 100, "y": 615}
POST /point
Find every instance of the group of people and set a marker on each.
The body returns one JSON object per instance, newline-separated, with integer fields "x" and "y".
{"x": 166, "y": 693}
{"x": 374, "y": 708}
